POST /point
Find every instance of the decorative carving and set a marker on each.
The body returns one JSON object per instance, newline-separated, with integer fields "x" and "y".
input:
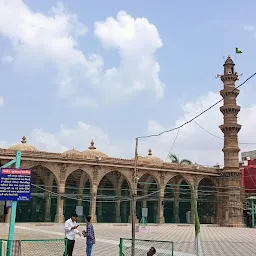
{"x": 95, "y": 173}
{"x": 63, "y": 169}
{"x": 162, "y": 178}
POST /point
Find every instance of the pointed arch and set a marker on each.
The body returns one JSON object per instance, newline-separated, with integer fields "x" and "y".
{"x": 207, "y": 200}
{"x": 114, "y": 191}
{"x": 148, "y": 192}
{"x": 177, "y": 200}
{"x": 77, "y": 193}
{"x": 43, "y": 203}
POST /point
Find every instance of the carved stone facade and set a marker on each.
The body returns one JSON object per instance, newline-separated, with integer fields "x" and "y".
{"x": 102, "y": 186}
{"x": 231, "y": 212}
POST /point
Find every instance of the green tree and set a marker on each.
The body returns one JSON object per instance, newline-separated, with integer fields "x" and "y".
{"x": 174, "y": 159}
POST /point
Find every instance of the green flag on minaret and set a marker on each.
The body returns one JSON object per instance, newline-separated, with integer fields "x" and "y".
{"x": 238, "y": 51}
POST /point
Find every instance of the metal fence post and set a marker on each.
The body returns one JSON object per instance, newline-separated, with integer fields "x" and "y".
{"x": 120, "y": 247}
{"x": 172, "y": 249}
{"x": 1, "y": 247}
{"x": 253, "y": 212}
{"x": 66, "y": 247}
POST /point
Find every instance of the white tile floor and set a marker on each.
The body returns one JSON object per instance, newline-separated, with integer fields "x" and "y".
{"x": 215, "y": 240}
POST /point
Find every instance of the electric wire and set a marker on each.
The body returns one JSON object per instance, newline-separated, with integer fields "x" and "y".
{"x": 195, "y": 117}
{"x": 216, "y": 136}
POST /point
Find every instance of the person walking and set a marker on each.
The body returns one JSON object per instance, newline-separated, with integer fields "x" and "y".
{"x": 90, "y": 237}
{"x": 70, "y": 234}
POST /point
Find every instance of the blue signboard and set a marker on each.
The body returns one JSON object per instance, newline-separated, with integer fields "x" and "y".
{"x": 15, "y": 184}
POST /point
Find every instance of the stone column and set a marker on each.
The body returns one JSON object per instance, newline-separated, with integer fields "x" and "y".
{"x": 47, "y": 213}
{"x": 8, "y": 216}
{"x": 176, "y": 204}
{"x": 161, "y": 206}
{"x": 59, "y": 218}
{"x": 118, "y": 207}
{"x": 80, "y": 203}
{"x": 49, "y": 184}
{"x": 93, "y": 204}
{"x": 194, "y": 196}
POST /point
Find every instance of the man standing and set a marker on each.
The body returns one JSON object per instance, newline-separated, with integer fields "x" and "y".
{"x": 90, "y": 237}
{"x": 70, "y": 234}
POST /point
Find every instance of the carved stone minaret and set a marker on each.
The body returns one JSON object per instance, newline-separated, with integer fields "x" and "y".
{"x": 231, "y": 207}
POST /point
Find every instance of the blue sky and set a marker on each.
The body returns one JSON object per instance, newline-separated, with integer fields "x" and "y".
{"x": 73, "y": 74}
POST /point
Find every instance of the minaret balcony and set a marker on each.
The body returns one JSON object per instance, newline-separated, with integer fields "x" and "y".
{"x": 228, "y": 149}
{"x": 226, "y": 128}
{"x": 229, "y": 77}
{"x": 229, "y": 92}
{"x": 230, "y": 109}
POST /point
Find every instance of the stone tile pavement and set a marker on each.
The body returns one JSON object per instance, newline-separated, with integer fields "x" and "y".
{"x": 215, "y": 240}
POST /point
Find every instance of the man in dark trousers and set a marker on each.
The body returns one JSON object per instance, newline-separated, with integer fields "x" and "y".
{"x": 90, "y": 237}
{"x": 70, "y": 234}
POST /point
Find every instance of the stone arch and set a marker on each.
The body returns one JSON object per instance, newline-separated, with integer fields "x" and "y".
{"x": 209, "y": 178}
{"x": 177, "y": 200}
{"x": 47, "y": 166}
{"x": 77, "y": 193}
{"x": 43, "y": 204}
{"x": 113, "y": 191}
{"x": 148, "y": 196}
{"x": 103, "y": 172}
{"x": 87, "y": 170}
{"x": 207, "y": 198}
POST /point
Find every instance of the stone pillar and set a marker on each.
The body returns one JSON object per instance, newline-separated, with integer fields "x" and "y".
{"x": 194, "y": 196}
{"x": 47, "y": 213}
{"x": 93, "y": 204}
{"x": 59, "y": 218}
{"x": 161, "y": 206}
{"x": 176, "y": 204}
{"x": 8, "y": 216}
{"x": 118, "y": 207}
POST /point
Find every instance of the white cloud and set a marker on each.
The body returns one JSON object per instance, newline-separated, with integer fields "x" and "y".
{"x": 137, "y": 40}
{"x": 1, "y": 100}
{"x": 52, "y": 40}
{"x": 85, "y": 102}
{"x": 78, "y": 137}
{"x": 194, "y": 143}
{"x": 38, "y": 39}
{"x": 7, "y": 59}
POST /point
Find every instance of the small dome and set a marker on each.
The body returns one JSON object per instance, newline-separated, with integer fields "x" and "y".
{"x": 152, "y": 159}
{"x": 92, "y": 152}
{"x": 229, "y": 61}
{"x": 23, "y": 146}
{"x": 72, "y": 152}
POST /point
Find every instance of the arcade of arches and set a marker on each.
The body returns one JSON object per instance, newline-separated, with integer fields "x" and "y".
{"x": 92, "y": 183}
{"x": 107, "y": 199}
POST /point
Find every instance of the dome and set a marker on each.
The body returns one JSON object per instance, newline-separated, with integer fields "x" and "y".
{"x": 23, "y": 146}
{"x": 152, "y": 159}
{"x": 229, "y": 61}
{"x": 72, "y": 152}
{"x": 92, "y": 152}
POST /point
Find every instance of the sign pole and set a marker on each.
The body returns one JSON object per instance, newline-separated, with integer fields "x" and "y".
{"x": 13, "y": 212}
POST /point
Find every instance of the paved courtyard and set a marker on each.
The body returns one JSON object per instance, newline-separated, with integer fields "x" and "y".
{"x": 215, "y": 240}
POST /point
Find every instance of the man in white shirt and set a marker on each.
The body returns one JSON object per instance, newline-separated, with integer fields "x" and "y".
{"x": 70, "y": 234}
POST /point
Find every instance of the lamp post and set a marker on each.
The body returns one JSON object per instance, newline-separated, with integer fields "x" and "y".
{"x": 134, "y": 194}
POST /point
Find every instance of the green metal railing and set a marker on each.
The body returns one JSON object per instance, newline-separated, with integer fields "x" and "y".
{"x": 163, "y": 248}
{"x": 35, "y": 247}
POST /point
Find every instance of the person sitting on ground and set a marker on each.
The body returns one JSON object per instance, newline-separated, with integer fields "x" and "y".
{"x": 151, "y": 252}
